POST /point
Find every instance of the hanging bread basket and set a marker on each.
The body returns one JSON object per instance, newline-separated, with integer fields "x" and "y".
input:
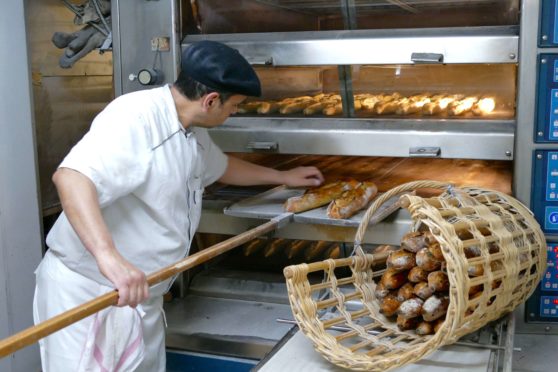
{"x": 342, "y": 315}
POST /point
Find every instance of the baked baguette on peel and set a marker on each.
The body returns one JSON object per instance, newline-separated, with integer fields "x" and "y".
{"x": 319, "y": 196}
{"x": 352, "y": 201}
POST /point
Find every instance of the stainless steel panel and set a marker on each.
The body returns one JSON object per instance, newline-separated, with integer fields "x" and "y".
{"x": 455, "y": 138}
{"x": 135, "y": 25}
{"x": 388, "y": 231}
{"x": 65, "y": 106}
{"x": 457, "y": 45}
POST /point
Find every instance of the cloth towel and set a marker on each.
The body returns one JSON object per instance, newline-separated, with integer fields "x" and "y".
{"x": 114, "y": 341}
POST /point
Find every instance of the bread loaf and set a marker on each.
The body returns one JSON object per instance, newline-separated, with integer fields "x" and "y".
{"x": 393, "y": 279}
{"x": 401, "y": 260}
{"x": 425, "y": 328}
{"x": 418, "y": 274}
{"x": 426, "y": 260}
{"x": 438, "y": 281}
{"x": 381, "y": 291}
{"x": 413, "y": 242}
{"x": 351, "y": 201}
{"x": 296, "y": 248}
{"x": 319, "y": 196}
{"x": 389, "y": 305}
{"x": 253, "y": 246}
{"x": 406, "y": 324}
{"x": 405, "y": 292}
{"x": 435, "y": 307}
{"x": 267, "y": 108}
{"x": 422, "y": 290}
{"x": 410, "y": 308}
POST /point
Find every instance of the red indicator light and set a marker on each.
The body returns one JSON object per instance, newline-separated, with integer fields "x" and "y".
{"x": 555, "y": 301}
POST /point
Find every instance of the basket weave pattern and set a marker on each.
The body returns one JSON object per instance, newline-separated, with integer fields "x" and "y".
{"x": 341, "y": 314}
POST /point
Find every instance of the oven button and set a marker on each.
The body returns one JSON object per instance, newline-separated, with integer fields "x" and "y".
{"x": 149, "y": 76}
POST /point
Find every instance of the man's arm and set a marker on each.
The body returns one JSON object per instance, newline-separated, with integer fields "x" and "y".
{"x": 78, "y": 196}
{"x": 242, "y": 173}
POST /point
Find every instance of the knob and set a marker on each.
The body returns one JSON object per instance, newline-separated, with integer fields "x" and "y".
{"x": 149, "y": 76}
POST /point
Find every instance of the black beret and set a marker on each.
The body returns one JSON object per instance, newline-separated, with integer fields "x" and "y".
{"x": 220, "y": 67}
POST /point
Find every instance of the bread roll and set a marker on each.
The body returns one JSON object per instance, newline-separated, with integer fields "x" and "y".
{"x": 253, "y": 246}
{"x": 410, "y": 308}
{"x": 426, "y": 260}
{"x": 406, "y": 324}
{"x": 333, "y": 109}
{"x": 425, "y": 328}
{"x": 315, "y": 250}
{"x": 295, "y": 107}
{"x": 418, "y": 274}
{"x": 385, "y": 108}
{"x": 405, "y": 292}
{"x": 389, "y": 305}
{"x": 393, "y": 279}
{"x": 413, "y": 242}
{"x": 275, "y": 246}
{"x": 438, "y": 324}
{"x": 422, "y": 290}
{"x": 248, "y": 107}
{"x": 296, "y": 248}
{"x": 435, "y": 307}
{"x": 438, "y": 281}
{"x": 475, "y": 270}
{"x": 436, "y": 251}
{"x": 267, "y": 108}
{"x": 401, "y": 260}
{"x": 333, "y": 252}
{"x": 381, "y": 291}
{"x": 471, "y": 252}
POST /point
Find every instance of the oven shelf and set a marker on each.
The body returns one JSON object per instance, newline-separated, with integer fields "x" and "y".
{"x": 490, "y": 44}
{"x": 456, "y": 139}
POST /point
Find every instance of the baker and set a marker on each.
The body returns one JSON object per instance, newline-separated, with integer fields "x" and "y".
{"x": 131, "y": 190}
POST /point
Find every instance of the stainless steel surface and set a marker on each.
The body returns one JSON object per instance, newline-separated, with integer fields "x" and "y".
{"x": 132, "y": 47}
{"x": 526, "y": 93}
{"x": 298, "y": 354}
{"x": 457, "y": 139}
{"x": 458, "y": 45}
{"x": 270, "y": 204}
{"x": 247, "y": 328}
{"x": 537, "y": 354}
{"x": 508, "y": 344}
{"x": 20, "y": 223}
{"x": 388, "y": 231}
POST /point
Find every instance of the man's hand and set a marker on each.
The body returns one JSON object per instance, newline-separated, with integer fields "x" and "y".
{"x": 129, "y": 281}
{"x": 303, "y": 176}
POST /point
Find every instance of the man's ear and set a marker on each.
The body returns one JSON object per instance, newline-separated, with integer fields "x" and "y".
{"x": 210, "y": 100}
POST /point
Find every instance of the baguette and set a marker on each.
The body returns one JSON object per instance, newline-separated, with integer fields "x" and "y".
{"x": 248, "y": 107}
{"x": 253, "y": 246}
{"x": 417, "y": 274}
{"x": 319, "y": 196}
{"x": 401, "y": 260}
{"x": 333, "y": 109}
{"x": 351, "y": 201}
{"x": 296, "y": 248}
{"x": 392, "y": 279}
{"x": 315, "y": 250}
{"x": 268, "y": 108}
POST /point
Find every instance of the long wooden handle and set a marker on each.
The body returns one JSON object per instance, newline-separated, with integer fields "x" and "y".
{"x": 33, "y": 334}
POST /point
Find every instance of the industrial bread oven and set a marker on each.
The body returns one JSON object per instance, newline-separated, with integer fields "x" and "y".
{"x": 391, "y": 91}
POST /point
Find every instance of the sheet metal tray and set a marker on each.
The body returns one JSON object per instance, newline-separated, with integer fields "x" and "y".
{"x": 269, "y": 204}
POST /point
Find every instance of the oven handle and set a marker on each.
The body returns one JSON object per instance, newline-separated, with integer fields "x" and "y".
{"x": 427, "y": 57}
{"x": 262, "y": 146}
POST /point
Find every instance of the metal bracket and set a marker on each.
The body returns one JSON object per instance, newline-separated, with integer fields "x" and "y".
{"x": 427, "y": 57}
{"x": 425, "y": 152}
{"x": 262, "y": 146}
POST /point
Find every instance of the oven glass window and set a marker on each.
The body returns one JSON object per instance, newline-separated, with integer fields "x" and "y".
{"x": 255, "y": 16}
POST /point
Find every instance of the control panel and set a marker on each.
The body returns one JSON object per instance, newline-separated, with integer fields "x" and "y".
{"x": 548, "y": 33}
{"x": 543, "y": 305}
{"x": 545, "y": 190}
{"x": 547, "y": 99}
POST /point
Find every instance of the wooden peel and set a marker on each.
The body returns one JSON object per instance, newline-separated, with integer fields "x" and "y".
{"x": 33, "y": 334}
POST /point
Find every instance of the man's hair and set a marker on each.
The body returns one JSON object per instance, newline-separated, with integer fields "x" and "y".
{"x": 195, "y": 90}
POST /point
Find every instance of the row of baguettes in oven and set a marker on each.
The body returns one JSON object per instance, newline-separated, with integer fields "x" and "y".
{"x": 379, "y": 104}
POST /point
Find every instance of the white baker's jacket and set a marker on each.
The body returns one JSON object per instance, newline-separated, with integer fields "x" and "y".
{"x": 150, "y": 174}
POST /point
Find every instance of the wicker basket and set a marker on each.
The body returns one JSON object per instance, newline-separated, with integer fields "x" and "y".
{"x": 341, "y": 314}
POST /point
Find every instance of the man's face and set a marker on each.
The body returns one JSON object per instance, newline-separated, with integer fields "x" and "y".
{"x": 219, "y": 111}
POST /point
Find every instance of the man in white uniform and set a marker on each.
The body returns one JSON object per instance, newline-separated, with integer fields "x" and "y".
{"x": 131, "y": 191}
